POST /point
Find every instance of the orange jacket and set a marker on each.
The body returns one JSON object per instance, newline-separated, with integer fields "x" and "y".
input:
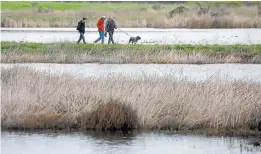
{"x": 100, "y": 25}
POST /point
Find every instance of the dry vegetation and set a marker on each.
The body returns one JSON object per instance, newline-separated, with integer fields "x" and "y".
{"x": 216, "y": 17}
{"x": 177, "y": 21}
{"x": 122, "y": 54}
{"x": 34, "y": 100}
{"x": 126, "y": 58}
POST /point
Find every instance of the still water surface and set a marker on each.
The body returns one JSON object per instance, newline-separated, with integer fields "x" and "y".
{"x": 193, "y": 73}
{"x": 134, "y": 143}
{"x": 148, "y": 35}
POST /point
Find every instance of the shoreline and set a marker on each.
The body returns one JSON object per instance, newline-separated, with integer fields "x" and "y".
{"x": 202, "y": 132}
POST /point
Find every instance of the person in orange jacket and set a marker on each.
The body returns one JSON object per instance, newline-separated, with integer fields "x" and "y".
{"x": 100, "y": 26}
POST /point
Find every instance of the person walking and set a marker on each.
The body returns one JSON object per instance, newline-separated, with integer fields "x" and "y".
{"x": 81, "y": 29}
{"x": 109, "y": 28}
{"x": 100, "y": 26}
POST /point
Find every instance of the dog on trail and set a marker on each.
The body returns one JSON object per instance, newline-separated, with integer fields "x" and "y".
{"x": 134, "y": 40}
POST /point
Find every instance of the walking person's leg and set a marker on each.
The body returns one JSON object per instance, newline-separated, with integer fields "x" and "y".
{"x": 98, "y": 38}
{"x": 83, "y": 38}
{"x": 102, "y": 37}
{"x": 109, "y": 41}
{"x": 112, "y": 37}
{"x": 109, "y": 38}
{"x": 80, "y": 38}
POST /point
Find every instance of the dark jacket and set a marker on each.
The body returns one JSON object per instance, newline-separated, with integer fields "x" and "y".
{"x": 81, "y": 27}
{"x": 110, "y": 26}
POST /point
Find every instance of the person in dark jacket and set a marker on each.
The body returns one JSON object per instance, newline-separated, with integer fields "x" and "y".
{"x": 109, "y": 28}
{"x": 81, "y": 29}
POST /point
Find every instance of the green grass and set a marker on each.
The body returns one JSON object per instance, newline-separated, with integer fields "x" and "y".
{"x": 72, "y": 47}
{"x": 66, "y": 52}
{"x": 75, "y": 5}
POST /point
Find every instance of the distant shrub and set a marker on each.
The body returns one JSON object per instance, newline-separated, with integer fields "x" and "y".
{"x": 178, "y": 10}
{"x": 157, "y": 7}
{"x": 203, "y": 8}
{"x": 40, "y": 8}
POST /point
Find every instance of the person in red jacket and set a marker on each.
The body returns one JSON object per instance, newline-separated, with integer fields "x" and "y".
{"x": 100, "y": 26}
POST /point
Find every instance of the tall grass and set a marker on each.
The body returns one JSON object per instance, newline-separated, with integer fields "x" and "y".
{"x": 165, "y": 54}
{"x": 53, "y": 14}
{"x": 35, "y": 100}
{"x": 178, "y": 21}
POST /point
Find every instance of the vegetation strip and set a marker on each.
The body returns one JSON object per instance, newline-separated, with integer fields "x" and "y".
{"x": 13, "y": 52}
{"x": 36, "y": 100}
{"x": 143, "y": 14}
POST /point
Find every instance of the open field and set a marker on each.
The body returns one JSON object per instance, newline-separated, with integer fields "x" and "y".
{"x": 129, "y": 14}
{"x": 12, "y": 52}
{"x": 34, "y": 100}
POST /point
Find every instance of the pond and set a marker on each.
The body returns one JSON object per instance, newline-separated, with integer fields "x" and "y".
{"x": 193, "y": 73}
{"x": 148, "y": 35}
{"x": 134, "y": 143}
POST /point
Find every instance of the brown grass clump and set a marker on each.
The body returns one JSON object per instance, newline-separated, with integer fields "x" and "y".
{"x": 36, "y": 100}
{"x": 110, "y": 116}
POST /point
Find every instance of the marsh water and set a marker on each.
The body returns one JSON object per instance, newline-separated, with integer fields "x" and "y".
{"x": 136, "y": 143}
{"x": 188, "y": 72}
{"x": 148, "y": 35}
{"x": 118, "y": 143}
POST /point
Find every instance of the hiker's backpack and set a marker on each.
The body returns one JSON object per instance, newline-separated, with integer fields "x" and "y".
{"x": 78, "y": 26}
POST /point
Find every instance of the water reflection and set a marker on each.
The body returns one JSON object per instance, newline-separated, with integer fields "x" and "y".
{"x": 134, "y": 143}
{"x": 117, "y": 138}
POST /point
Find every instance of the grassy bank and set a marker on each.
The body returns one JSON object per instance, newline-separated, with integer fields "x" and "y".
{"x": 12, "y": 52}
{"x": 33, "y": 100}
{"x": 157, "y": 15}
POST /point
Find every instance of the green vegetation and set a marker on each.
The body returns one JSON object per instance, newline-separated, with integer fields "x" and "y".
{"x": 74, "y": 5}
{"x": 72, "y": 47}
{"x": 13, "y": 52}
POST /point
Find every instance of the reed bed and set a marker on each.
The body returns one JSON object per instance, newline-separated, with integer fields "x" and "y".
{"x": 177, "y": 21}
{"x": 122, "y": 54}
{"x": 36, "y": 100}
{"x": 133, "y": 15}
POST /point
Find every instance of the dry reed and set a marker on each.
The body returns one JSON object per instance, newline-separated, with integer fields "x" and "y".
{"x": 123, "y": 57}
{"x": 244, "y": 17}
{"x": 33, "y": 100}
